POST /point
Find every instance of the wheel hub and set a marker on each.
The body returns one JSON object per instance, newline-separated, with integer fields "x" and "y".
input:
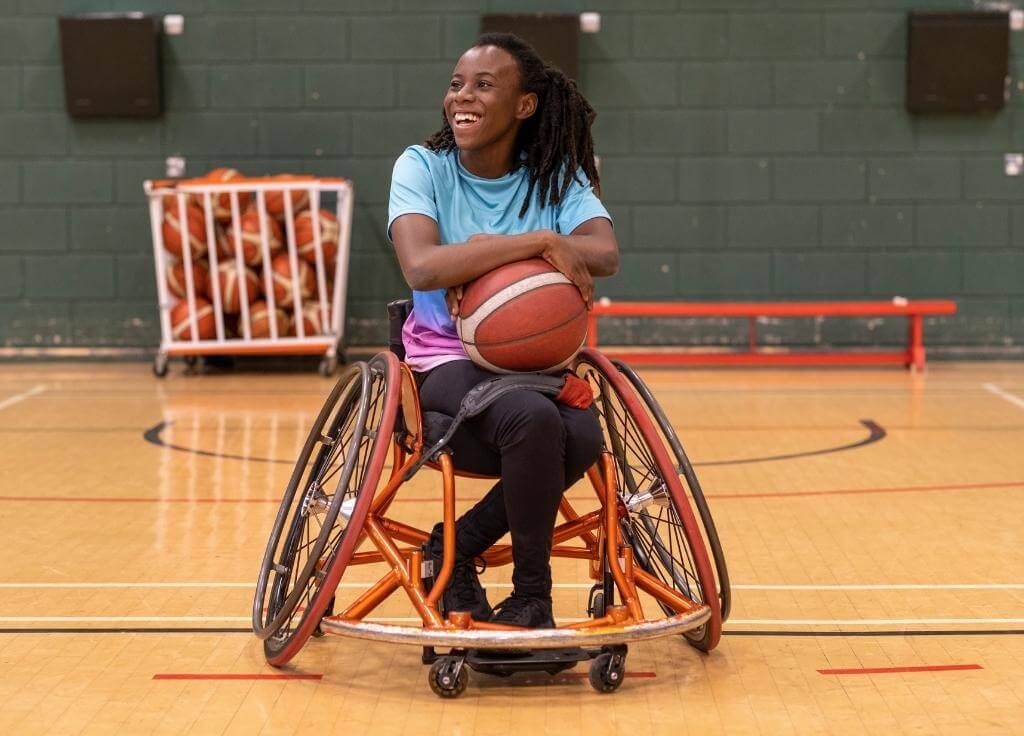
{"x": 657, "y": 494}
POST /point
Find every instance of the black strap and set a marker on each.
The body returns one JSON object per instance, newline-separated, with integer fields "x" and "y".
{"x": 483, "y": 395}
{"x": 486, "y": 393}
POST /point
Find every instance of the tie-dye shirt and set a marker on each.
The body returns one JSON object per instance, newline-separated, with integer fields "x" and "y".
{"x": 463, "y": 204}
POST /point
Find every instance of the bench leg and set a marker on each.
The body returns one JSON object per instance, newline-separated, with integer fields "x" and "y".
{"x": 915, "y": 343}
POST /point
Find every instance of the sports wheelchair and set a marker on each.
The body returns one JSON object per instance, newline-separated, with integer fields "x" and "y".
{"x": 645, "y": 547}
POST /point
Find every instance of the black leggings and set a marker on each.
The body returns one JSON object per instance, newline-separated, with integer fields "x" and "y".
{"x": 537, "y": 446}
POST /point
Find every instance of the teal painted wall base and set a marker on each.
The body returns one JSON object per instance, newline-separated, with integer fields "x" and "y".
{"x": 751, "y": 149}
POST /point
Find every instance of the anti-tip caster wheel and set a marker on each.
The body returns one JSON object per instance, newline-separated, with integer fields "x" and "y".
{"x": 596, "y": 608}
{"x": 160, "y": 365}
{"x": 607, "y": 671}
{"x": 448, "y": 677}
{"x": 318, "y": 632}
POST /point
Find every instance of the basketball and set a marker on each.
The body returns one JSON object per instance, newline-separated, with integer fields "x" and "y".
{"x": 259, "y": 320}
{"x": 181, "y": 324}
{"x": 282, "y": 275}
{"x": 274, "y": 201}
{"x": 200, "y": 279}
{"x": 305, "y": 243}
{"x": 522, "y": 317}
{"x": 196, "y": 227}
{"x": 230, "y": 289}
{"x": 312, "y": 323}
{"x": 222, "y": 201}
{"x": 252, "y": 248}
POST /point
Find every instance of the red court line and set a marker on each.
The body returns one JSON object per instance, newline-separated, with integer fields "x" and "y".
{"x": 787, "y": 494}
{"x": 137, "y": 499}
{"x": 422, "y": 499}
{"x": 894, "y": 670}
{"x": 187, "y": 676}
{"x": 642, "y": 675}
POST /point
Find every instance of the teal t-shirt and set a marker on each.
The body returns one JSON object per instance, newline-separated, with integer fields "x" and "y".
{"x": 463, "y": 204}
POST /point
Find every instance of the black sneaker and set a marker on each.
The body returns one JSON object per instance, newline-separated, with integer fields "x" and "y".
{"x": 524, "y": 610}
{"x": 464, "y": 592}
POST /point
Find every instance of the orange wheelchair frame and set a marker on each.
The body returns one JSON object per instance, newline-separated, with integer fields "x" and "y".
{"x": 335, "y": 514}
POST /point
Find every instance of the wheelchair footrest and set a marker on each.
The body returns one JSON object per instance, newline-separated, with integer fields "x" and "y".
{"x": 507, "y": 662}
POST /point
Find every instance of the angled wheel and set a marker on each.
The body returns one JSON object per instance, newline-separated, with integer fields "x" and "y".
{"x": 324, "y": 506}
{"x": 607, "y": 671}
{"x": 658, "y": 522}
{"x": 685, "y": 469}
{"x": 448, "y": 677}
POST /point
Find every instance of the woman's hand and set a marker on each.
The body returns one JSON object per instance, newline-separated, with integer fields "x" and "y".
{"x": 560, "y": 254}
{"x": 452, "y": 297}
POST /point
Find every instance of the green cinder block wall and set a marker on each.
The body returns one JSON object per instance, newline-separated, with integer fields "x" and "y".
{"x": 751, "y": 149}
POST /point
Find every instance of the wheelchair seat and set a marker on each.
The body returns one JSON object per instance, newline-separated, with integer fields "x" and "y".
{"x": 440, "y": 430}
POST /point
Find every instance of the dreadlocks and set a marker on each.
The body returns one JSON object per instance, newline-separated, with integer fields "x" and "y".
{"x": 556, "y": 139}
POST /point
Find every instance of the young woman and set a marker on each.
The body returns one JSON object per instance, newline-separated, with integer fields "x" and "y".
{"x": 509, "y": 176}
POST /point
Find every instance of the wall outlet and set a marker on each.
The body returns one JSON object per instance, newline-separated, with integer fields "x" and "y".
{"x": 175, "y": 167}
{"x": 1017, "y": 20}
{"x": 1013, "y": 163}
{"x": 174, "y": 25}
{"x": 590, "y": 22}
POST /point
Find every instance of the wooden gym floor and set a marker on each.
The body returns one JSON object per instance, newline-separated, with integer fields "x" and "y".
{"x": 871, "y": 519}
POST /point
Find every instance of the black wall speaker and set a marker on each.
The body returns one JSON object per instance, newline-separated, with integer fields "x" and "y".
{"x": 556, "y": 37}
{"x": 957, "y": 61}
{"x": 111, "y": 65}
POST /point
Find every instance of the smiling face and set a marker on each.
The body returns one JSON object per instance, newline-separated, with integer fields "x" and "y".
{"x": 485, "y": 102}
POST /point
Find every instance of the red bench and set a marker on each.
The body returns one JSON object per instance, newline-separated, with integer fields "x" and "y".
{"x": 912, "y": 356}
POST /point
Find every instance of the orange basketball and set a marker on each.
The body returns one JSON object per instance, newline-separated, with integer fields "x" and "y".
{"x": 282, "y": 275}
{"x": 328, "y": 236}
{"x": 312, "y": 323}
{"x": 522, "y": 317}
{"x": 200, "y": 279}
{"x": 259, "y": 320}
{"x": 231, "y": 290}
{"x": 274, "y": 201}
{"x": 252, "y": 248}
{"x": 181, "y": 324}
{"x": 196, "y": 229}
{"x": 222, "y": 202}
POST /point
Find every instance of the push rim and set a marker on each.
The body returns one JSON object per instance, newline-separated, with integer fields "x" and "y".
{"x": 355, "y": 495}
{"x": 659, "y": 523}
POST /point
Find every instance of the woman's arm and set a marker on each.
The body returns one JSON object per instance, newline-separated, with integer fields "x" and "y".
{"x": 590, "y": 250}
{"x": 426, "y": 264}
{"x": 594, "y": 240}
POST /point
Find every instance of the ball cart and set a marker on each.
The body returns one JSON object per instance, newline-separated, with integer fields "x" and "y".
{"x": 251, "y": 266}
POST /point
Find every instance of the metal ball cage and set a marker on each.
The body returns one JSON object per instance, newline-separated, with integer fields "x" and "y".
{"x": 657, "y": 567}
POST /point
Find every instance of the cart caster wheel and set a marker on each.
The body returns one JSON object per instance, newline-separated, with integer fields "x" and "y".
{"x": 191, "y": 361}
{"x": 607, "y": 671}
{"x": 448, "y": 677}
{"x": 328, "y": 366}
{"x": 160, "y": 365}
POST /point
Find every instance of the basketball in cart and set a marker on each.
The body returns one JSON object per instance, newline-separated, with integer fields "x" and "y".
{"x": 251, "y": 266}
